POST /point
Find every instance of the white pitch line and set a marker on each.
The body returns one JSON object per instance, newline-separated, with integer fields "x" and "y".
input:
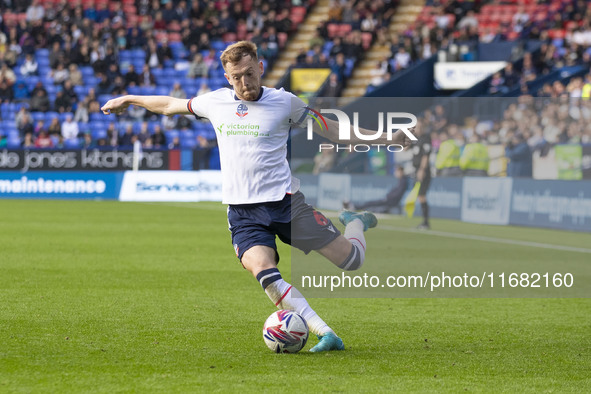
{"x": 487, "y": 239}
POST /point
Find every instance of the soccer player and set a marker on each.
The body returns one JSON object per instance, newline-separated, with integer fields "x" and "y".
{"x": 252, "y": 124}
{"x": 392, "y": 199}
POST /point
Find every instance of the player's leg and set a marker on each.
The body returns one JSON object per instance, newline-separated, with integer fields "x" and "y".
{"x": 422, "y": 197}
{"x": 348, "y": 250}
{"x": 260, "y": 261}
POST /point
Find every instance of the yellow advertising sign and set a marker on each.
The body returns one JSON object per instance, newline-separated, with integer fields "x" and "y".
{"x": 308, "y": 80}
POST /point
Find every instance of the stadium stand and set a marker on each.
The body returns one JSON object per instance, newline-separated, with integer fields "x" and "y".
{"x": 132, "y": 46}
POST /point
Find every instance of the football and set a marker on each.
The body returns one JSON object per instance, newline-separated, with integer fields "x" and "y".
{"x": 285, "y": 332}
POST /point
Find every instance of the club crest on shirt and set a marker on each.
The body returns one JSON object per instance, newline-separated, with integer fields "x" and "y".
{"x": 242, "y": 110}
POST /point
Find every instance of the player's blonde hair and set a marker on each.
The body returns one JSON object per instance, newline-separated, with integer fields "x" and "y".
{"x": 235, "y": 52}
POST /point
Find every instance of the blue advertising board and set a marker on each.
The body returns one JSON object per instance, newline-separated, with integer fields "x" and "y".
{"x": 556, "y": 204}
{"x": 60, "y": 185}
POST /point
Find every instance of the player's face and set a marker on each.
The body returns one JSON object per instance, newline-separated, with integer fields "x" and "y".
{"x": 245, "y": 78}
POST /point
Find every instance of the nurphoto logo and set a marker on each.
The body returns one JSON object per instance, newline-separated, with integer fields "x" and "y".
{"x": 344, "y": 124}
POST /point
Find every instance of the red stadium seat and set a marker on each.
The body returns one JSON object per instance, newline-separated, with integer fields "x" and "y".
{"x": 332, "y": 29}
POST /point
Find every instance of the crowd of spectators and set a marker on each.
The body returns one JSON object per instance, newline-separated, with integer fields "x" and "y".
{"x": 66, "y": 56}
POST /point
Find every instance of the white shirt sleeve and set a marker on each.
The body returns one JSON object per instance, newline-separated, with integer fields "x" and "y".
{"x": 298, "y": 111}
{"x": 199, "y": 105}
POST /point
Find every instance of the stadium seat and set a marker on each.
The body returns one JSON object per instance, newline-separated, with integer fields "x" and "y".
{"x": 64, "y": 115}
{"x": 72, "y": 144}
{"x": 99, "y": 133}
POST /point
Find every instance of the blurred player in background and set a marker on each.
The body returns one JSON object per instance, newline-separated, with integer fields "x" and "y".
{"x": 252, "y": 125}
{"x": 421, "y": 152}
{"x": 390, "y": 201}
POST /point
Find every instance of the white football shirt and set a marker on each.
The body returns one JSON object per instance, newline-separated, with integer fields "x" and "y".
{"x": 252, "y": 140}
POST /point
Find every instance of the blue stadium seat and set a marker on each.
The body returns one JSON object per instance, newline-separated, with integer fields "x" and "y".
{"x": 133, "y": 90}
{"x": 188, "y": 143}
{"x": 47, "y": 80}
{"x": 64, "y": 115}
{"x": 43, "y": 69}
{"x": 87, "y": 71}
{"x": 37, "y": 116}
{"x": 138, "y": 53}
{"x": 99, "y": 133}
{"x": 81, "y": 91}
{"x": 41, "y": 53}
{"x": 31, "y": 81}
{"x": 147, "y": 90}
{"x": 103, "y": 98}
{"x": 96, "y": 125}
{"x": 125, "y": 55}
{"x": 171, "y": 134}
{"x": 72, "y": 144}
{"x": 187, "y": 134}
{"x": 91, "y": 80}
{"x": 137, "y": 126}
{"x": 43, "y": 61}
{"x": 162, "y": 90}
{"x": 98, "y": 116}
{"x": 13, "y": 143}
{"x": 12, "y": 133}
{"x": 218, "y": 45}
{"x": 152, "y": 125}
{"x": 50, "y": 115}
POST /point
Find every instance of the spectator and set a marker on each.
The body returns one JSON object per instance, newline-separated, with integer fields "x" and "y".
{"x": 75, "y": 75}
{"x": 144, "y": 134}
{"x": 468, "y": 21}
{"x": 520, "y": 158}
{"x": 70, "y": 128}
{"x": 324, "y": 161}
{"x": 39, "y": 127}
{"x": 7, "y": 75}
{"x": 28, "y": 141}
{"x": 146, "y": 77}
{"x": 127, "y": 139}
{"x": 81, "y": 114}
{"x": 112, "y": 135}
{"x": 497, "y": 84}
{"x": 62, "y": 102}
{"x": 35, "y": 12}
{"x": 43, "y": 140}
{"x": 203, "y": 89}
{"x": 88, "y": 142}
{"x": 198, "y": 68}
{"x": 40, "y": 101}
{"x": 54, "y": 128}
{"x": 402, "y": 59}
{"x": 6, "y": 92}
{"x": 158, "y": 138}
{"x": 21, "y": 92}
{"x": 177, "y": 91}
{"x": 29, "y": 67}
{"x": 132, "y": 78}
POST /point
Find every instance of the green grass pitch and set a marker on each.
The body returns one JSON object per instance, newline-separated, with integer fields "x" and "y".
{"x": 136, "y": 297}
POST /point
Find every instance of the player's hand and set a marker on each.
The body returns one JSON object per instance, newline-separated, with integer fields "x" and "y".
{"x": 401, "y": 138}
{"x": 115, "y": 106}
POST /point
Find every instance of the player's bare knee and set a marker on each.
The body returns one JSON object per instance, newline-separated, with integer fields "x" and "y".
{"x": 354, "y": 260}
{"x": 259, "y": 258}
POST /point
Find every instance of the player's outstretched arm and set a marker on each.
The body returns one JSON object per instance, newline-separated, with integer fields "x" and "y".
{"x": 164, "y": 105}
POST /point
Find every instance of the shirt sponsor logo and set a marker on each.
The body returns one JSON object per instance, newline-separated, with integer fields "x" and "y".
{"x": 243, "y": 129}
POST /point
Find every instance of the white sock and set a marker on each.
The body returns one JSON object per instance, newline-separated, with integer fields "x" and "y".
{"x": 285, "y": 296}
{"x": 354, "y": 233}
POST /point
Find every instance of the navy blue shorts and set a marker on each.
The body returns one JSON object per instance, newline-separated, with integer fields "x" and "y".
{"x": 291, "y": 219}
